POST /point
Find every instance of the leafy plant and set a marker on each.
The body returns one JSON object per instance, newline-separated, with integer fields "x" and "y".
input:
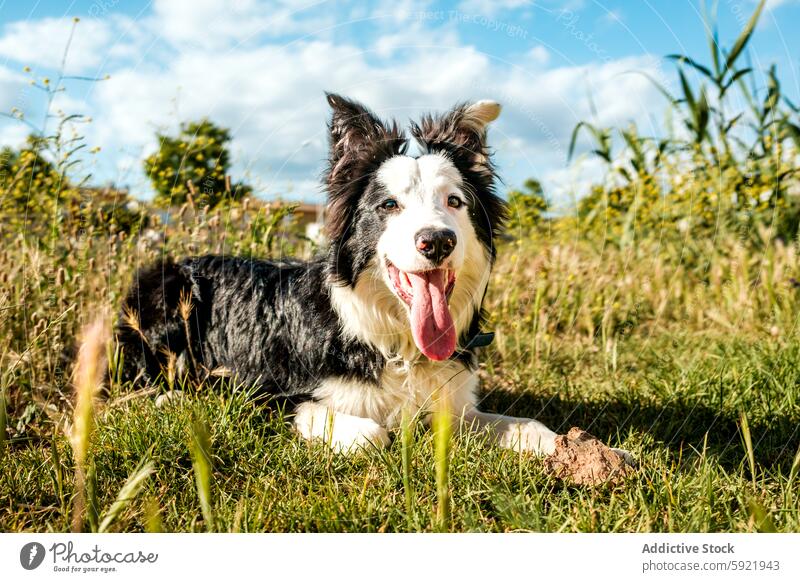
{"x": 39, "y": 184}
{"x": 194, "y": 164}
{"x": 28, "y": 181}
{"x": 724, "y": 169}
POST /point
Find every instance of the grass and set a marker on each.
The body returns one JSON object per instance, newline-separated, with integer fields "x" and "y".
{"x": 694, "y": 477}
{"x": 700, "y": 381}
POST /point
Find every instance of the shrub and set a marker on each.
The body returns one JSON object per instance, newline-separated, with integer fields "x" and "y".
{"x": 197, "y": 159}
{"x": 30, "y": 184}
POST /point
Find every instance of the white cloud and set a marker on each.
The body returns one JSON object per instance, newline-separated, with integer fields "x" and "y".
{"x": 212, "y": 24}
{"x": 612, "y": 17}
{"x": 773, "y": 4}
{"x": 541, "y": 109}
{"x": 566, "y": 184}
{"x": 13, "y": 135}
{"x": 539, "y": 55}
{"x": 41, "y": 43}
{"x": 414, "y": 35}
{"x": 397, "y": 11}
{"x": 272, "y": 99}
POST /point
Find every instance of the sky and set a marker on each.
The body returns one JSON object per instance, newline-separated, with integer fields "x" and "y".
{"x": 260, "y": 68}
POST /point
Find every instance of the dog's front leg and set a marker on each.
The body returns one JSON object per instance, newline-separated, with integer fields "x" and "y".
{"x": 519, "y": 434}
{"x": 342, "y": 432}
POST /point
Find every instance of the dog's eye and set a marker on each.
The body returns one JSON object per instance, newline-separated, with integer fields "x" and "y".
{"x": 454, "y": 201}
{"x": 390, "y": 204}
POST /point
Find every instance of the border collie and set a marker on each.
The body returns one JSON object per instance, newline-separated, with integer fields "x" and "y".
{"x": 387, "y": 320}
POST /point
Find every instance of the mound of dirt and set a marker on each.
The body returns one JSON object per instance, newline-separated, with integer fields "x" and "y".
{"x": 581, "y": 459}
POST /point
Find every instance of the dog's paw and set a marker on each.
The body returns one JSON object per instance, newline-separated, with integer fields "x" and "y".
{"x": 627, "y": 457}
{"x": 169, "y": 398}
{"x": 342, "y": 432}
{"x": 530, "y": 436}
{"x": 364, "y": 434}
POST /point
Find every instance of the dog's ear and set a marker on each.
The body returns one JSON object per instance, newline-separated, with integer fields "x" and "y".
{"x": 460, "y": 132}
{"x": 481, "y": 114}
{"x": 359, "y": 143}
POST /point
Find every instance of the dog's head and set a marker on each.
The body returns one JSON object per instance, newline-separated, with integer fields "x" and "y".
{"x": 412, "y": 236}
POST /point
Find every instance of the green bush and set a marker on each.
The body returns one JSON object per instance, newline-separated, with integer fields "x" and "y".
{"x": 198, "y": 155}
{"x": 29, "y": 183}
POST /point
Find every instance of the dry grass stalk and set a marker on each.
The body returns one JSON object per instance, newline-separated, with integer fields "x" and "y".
{"x": 87, "y": 379}
{"x": 185, "y": 309}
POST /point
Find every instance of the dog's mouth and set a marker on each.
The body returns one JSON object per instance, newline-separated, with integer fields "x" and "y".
{"x": 426, "y": 293}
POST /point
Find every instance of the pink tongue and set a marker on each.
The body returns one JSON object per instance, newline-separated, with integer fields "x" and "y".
{"x": 431, "y": 322}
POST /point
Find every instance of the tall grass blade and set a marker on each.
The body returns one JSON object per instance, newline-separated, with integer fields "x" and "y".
{"x": 738, "y": 75}
{"x": 574, "y": 138}
{"x": 744, "y": 37}
{"x": 710, "y": 21}
{"x": 688, "y": 96}
{"x": 660, "y": 87}
{"x": 442, "y": 433}
{"x": 407, "y": 444}
{"x": 692, "y": 63}
{"x": 748, "y": 445}
{"x": 3, "y": 423}
{"x": 703, "y": 114}
{"x": 58, "y": 472}
{"x": 92, "y": 504}
{"x": 152, "y": 517}
{"x": 602, "y": 138}
{"x": 794, "y": 469}
{"x": 128, "y": 493}
{"x": 200, "y": 447}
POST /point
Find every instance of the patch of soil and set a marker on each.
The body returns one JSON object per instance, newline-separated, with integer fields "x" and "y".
{"x": 581, "y": 459}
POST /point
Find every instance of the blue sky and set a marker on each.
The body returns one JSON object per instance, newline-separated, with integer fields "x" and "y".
{"x": 260, "y": 68}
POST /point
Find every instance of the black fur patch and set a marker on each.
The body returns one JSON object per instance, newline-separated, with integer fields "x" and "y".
{"x": 270, "y": 323}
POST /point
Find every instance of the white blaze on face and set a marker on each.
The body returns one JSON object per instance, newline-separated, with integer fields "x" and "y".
{"x": 423, "y": 189}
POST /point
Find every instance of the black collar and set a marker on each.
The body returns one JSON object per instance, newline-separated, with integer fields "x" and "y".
{"x": 480, "y": 340}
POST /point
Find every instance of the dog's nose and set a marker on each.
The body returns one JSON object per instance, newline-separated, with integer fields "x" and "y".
{"x": 435, "y": 244}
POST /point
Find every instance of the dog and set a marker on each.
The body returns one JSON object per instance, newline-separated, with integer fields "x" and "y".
{"x": 386, "y": 321}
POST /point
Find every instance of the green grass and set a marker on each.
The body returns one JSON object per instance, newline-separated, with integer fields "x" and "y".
{"x": 680, "y": 415}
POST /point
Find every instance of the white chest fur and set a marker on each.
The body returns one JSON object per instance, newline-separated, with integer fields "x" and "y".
{"x": 416, "y": 388}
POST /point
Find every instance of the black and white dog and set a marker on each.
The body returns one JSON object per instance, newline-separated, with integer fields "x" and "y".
{"x": 386, "y": 320}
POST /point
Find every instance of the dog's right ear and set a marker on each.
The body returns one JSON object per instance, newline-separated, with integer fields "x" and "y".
{"x": 462, "y": 133}
{"x": 359, "y": 143}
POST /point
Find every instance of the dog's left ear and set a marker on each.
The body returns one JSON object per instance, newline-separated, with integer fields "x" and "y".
{"x": 461, "y": 132}
{"x": 481, "y": 114}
